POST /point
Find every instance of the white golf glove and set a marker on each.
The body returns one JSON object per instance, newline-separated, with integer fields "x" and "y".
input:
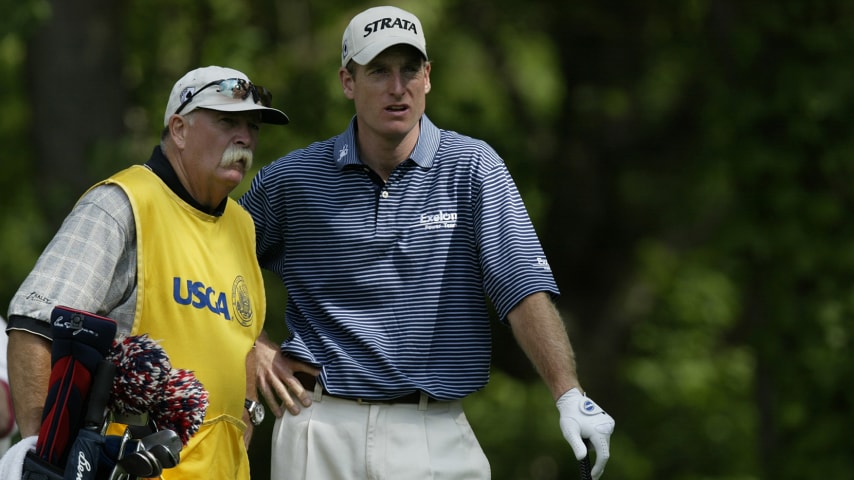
{"x": 580, "y": 418}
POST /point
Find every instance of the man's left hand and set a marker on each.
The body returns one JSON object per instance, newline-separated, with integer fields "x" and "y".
{"x": 580, "y": 418}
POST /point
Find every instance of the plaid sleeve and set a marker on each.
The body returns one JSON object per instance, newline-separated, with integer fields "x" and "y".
{"x": 90, "y": 264}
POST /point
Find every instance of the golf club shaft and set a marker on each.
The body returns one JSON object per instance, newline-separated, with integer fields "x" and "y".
{"x": 99, "y": 396}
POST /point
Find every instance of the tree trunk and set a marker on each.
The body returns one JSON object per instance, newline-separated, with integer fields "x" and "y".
{"x": 74, "y": 69}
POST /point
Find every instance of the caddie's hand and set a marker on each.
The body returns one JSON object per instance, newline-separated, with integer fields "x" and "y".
{"x": 274, "y": 378}
{"x": 580, "y": 418}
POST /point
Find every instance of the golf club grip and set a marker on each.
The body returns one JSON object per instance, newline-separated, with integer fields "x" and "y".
{"x": 584, "y": 464}
{"x": 99, "y": 395}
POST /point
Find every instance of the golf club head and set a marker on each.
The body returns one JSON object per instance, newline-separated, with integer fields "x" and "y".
{"x": 141, "y": 464}
{"x": 165, "y": 456}
{"x": 152, "y": 454}
{"x": 127, "y": 445}
{"x": 165, "y": 445}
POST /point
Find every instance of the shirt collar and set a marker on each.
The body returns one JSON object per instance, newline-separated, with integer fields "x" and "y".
{"x": 425, "y": 150}
{"x": 159, "y": 164}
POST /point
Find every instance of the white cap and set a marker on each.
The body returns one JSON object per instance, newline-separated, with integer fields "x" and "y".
{"x": 378, "y": 28}
{"x": 191, "y": 86}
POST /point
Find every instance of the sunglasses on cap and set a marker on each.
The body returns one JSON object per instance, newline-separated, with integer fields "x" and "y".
{"x": 236, "y": 88}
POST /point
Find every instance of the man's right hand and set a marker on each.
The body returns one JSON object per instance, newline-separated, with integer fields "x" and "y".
{"x": 274, "y": 377}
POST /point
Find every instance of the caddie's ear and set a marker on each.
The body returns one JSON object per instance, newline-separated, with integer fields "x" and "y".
{"x": 178, "y": 126}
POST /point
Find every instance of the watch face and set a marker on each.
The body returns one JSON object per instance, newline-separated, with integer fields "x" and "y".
{"x": 257, "y": 413}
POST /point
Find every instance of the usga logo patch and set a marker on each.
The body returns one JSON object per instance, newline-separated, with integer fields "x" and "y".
{"x": 201, "y": 296}
{"x": 241, "y": 301}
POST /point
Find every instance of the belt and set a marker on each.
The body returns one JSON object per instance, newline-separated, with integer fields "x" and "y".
{"x": 415, "y": 398}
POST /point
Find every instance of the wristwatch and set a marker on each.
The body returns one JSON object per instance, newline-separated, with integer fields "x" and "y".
{"x": 256, "y": 411}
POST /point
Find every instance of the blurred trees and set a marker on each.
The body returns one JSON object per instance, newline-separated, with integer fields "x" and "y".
{"x": 687, "y": 165}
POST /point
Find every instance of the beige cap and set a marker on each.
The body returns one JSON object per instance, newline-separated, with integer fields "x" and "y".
{"x": 222, "y": 89}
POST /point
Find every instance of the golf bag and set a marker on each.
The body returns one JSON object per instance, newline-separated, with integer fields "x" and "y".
{"x": 86, "y": 368}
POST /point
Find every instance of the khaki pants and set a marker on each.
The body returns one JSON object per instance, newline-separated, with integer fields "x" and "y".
{"x": 338, "y": 439}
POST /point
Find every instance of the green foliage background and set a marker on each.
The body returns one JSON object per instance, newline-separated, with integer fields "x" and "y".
{"x": 688, "y": 165}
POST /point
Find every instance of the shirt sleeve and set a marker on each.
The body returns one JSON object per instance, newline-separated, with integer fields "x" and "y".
{"x": 261, "y": 200}
{"x": 90, "y": 264}
{"x": 512, "y": 258}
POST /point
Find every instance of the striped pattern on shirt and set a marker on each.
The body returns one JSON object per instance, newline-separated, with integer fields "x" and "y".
{"x": 388, "y": 283}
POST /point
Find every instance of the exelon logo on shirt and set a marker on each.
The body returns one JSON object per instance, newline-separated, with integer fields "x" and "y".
{"x": 441, "y": 219}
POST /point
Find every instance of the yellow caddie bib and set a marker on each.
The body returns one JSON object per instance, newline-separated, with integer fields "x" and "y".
{"x": 201, "y": 296}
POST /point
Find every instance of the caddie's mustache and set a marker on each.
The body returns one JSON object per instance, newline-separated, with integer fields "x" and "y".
{"x": 234, "y": 154}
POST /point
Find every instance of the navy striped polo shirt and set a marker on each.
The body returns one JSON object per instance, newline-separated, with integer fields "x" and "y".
{"x": 388, "y": 283}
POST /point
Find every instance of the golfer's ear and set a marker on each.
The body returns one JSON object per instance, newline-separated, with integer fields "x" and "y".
{"x": 347, "y": 80}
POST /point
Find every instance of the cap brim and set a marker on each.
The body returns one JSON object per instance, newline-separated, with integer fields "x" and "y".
{"x": 368, "y": 53}
{"x": 268, "y": 114}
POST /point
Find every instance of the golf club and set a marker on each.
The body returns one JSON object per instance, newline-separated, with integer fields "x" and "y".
{"x": 584, "y": 464}
{"x": 148, "y": 456}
